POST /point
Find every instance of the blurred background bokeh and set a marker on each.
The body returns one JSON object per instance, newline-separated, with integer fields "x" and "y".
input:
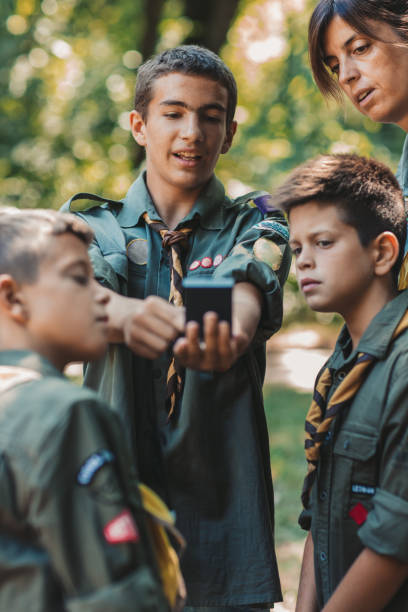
{"x": 67, "y": 76}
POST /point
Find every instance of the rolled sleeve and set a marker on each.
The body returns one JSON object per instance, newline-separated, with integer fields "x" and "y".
{"x": 386, "y": 529}
{"x": 261, "y": 256}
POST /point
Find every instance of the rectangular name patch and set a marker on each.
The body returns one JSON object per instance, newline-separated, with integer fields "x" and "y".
{"x": 362, "y": 489}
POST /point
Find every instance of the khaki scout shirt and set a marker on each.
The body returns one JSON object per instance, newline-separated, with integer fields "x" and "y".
{"x": 212, "y": 461}
{"x": 360, "y": 497}
{"x": 72, "y": 535}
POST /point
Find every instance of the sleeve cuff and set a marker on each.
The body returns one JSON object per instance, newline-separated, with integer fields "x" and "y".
{"x": 138, "y": 592}
{"x": 386, "y": 529}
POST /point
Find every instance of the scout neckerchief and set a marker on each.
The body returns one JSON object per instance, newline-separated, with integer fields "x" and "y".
{"x": 174, "y": 241}
{"x": 320, "y": 416}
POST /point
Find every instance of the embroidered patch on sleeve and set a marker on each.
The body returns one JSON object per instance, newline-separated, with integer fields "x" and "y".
{"x": 358, "y": 513}
{"x": 121, "y": 529}
{"x": 92, "y": 465}
{"x": 268, "y": 224}
{"x": 268, "y": 252}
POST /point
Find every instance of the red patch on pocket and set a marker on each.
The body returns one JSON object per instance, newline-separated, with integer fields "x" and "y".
{"x": 358, "y": 513}
{"x": 206, "y": 262}
{"x": 121, "y": 529}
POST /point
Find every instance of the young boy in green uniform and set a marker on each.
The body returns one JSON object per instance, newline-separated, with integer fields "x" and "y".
{"x": 72, "y": 530}
{"x": 204, "y": 444}
{"x": 348, "y": 231}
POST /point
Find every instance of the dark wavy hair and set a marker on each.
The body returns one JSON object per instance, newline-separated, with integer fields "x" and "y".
{"x": 361, "y": 15}
{"x": 365, "y": 192}
{"x": 186, "y": 59}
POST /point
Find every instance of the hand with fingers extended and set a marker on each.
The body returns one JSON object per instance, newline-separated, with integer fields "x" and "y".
{"x": 220, "y": 348}
{"x": 146, "y": 326}
{"x": 217, "y": 351}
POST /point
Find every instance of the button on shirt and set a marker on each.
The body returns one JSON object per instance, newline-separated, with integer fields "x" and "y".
{"x": 360, "y": 496}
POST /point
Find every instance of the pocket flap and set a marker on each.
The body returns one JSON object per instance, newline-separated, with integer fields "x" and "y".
{"x": 355, "y": 445}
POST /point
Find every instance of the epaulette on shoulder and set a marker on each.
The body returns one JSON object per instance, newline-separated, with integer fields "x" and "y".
{"x": 257, "y": 199}
{"x": 83, "y": 202}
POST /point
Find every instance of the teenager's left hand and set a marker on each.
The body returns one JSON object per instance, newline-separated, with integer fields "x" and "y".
{"x": 217, "y": 351}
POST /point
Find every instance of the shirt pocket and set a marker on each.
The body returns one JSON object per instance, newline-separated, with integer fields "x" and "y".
{"x": 355, "y": 469}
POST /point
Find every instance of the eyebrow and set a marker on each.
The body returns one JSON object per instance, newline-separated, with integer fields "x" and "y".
{"x": 211, "y": 106}
{"x": 344, "y": 46}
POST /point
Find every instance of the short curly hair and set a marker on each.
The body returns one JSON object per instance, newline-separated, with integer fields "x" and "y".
{"x": 186, "y": 59}
{"x": 365, "y": 191}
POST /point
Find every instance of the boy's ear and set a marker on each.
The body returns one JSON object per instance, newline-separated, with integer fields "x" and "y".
{"x": 11, "y": 300}
{"x": 137, "y": 126}
{"x": 386, "y": 251}
{"x": 231, "y": 129}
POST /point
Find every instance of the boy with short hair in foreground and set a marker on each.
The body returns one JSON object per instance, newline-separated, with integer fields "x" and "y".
{"x": 72, "y": 532}
{"x": 348, "y": 232}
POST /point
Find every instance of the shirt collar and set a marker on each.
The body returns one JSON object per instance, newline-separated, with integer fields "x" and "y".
{"x": 29, "y": 360}
{"x": 209, "y": 207}
{"x": 377, "y": 337}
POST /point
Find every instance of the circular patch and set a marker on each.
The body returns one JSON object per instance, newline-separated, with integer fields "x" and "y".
{"x": 206, "y": 262}
{"x": 217, "y": 260}
{"x": 196, "y": 264}
{"x": 136, "y": 251}
{"x": 269, "y": 252}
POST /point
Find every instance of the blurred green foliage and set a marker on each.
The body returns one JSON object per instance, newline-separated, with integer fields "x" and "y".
{"x": 285, "y": 411}
{"x": 67, "y": 74}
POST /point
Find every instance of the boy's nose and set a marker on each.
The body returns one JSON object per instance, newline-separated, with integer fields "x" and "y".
{"x": 191, "y": 130}
{"x": 102, "y": 295}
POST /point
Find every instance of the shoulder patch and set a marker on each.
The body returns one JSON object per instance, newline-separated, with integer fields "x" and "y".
{"x": 268, "y": 252}
{"x": 279, "y": 228}
{"x": 92, "y": 465}
{"x": 121, "y": 529}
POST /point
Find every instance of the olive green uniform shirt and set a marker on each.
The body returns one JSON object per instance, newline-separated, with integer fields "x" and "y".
{"x": 65, "y": 482}
{"x": 211, "y": 462}
{"x": 360, "y": 496}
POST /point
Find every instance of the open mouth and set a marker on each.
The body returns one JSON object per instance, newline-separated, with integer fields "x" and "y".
{"x": 188, "y": 157}
{"x": 364, "y": 95}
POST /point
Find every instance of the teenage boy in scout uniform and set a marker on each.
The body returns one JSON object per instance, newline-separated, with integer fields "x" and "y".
{"x": 202, "y": 442}
{"x": 348, "y": 232}
{"x": 72, "y": 532}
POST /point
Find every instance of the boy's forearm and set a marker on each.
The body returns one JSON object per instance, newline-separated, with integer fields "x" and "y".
{"x": 307, "y": 598}
{"x": 247, "y": 309}
{"x": 370, "y": 583}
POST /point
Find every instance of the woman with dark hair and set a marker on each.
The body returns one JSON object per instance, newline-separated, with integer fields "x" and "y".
{"x": 360, "y": 48}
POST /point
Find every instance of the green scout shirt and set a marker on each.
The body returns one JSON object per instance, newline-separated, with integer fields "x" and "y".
{"x": 65, "y": 483}
{"x": 215, "y": 453}
{"x": 363, "y": 463}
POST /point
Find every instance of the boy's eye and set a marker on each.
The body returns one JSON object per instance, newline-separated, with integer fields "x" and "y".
{"x": 212, "y": 118}
{"x": 81, "y": 279}
{"x": 296, "y": 251}
{"x": 324, "y": 243}
{"x": 172, "y": 115}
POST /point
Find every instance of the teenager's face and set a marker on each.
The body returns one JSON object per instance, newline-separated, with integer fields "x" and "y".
{"x": 372, "y": 73}
{"x": 65, "y": 306}
{"x": 333, "y": 269}
{"x": 184, "y": 132}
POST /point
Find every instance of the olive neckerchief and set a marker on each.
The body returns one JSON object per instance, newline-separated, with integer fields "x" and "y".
{"x": 320, "y": 417}
{"x": 174, "y": 241}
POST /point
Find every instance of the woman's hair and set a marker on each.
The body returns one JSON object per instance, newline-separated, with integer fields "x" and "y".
{"x": 361, "y": 15}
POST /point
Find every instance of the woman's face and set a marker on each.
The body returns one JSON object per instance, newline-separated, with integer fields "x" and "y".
{"x": 372, "y": 73}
